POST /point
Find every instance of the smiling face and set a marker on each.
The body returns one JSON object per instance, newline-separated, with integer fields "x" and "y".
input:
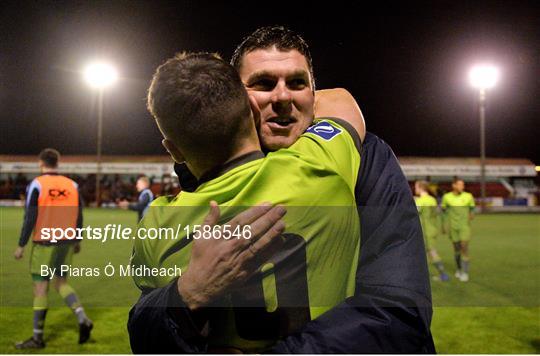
{"x": 281, "y": 84}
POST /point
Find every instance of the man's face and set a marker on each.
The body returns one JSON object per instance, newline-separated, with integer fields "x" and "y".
{"x": 458, "y": 186}
{"x": 281, "y": 84}
{"x": 141, "y": 185}
{"x": 417, "y": 189}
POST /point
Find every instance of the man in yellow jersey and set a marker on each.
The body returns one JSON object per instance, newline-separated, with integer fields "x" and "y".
{"x": 458, "y": 207}
{"x": 203, "y": 112}
{"x": 391, "y": 309}
{"x": 427, "y": 210}
{"x": 52, "y": 201}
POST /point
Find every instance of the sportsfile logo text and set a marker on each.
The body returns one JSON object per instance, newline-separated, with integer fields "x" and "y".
{"x": 118, "y": 232}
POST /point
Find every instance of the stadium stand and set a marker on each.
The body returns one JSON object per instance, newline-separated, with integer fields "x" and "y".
{"x": 509, "y": 181}
{"x": 119, "y": 174}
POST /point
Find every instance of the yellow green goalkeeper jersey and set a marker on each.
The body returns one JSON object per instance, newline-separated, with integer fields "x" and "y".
{"x": 457, "y": 208}
{"x": 427, "y": 210}
{"x": 315, "y": 270}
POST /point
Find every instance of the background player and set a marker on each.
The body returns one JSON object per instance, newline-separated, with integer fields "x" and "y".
{"x": 52, "y": 201}
{"x": 427, "y": 209}
{"x": 145, "y": 197}
{"x": 458, "y": 207}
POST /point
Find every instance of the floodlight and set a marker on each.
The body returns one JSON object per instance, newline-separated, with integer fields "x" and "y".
{"x": 484, "y": 76}
{"x": 100, "y": 75}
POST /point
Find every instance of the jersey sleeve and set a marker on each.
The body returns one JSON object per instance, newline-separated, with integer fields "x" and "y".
{"x": 30, "y": 211}
{"x": 471, "y": 202}
{"x": 444, "y": 202}
{"x": 333, "y": 143}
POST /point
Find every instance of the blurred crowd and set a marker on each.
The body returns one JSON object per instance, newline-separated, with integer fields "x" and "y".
{"x": 114, "y": 188}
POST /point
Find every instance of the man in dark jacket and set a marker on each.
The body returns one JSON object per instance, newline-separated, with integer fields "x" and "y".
{"x": 143, "y": 201}
{"x": 391, "y": 309}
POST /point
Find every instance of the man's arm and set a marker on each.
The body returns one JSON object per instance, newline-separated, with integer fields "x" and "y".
{"x": 80, "y": 212}
{"x": 161, "y": 323}
{"x": 30, "y": 217}
{"x": 472, "y": 205}
{"x": 141, "y": 203}
{"x": 391, "y": 310}
{"x": 444, "y": 215}
{"x": 341, "y": 104}
{"x": 77, "y": 247}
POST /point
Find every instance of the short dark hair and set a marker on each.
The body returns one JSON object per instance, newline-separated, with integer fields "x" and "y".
{"x": 281, "y": 37}
{"x": 423, "y": 185}
{"x": 200, "y": 104}
{"x": 49, "y": 157}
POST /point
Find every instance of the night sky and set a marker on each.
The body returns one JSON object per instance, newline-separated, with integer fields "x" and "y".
{"x": 406, "y": 64}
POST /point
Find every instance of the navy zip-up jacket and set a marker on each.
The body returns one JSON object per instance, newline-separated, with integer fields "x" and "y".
{"x": 390, "y": 311}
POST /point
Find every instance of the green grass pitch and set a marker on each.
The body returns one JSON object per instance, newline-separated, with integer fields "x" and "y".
{"x": 496, "y": 312}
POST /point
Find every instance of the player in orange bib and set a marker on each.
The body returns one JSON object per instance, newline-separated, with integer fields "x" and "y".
{"x": 52, "y": 202}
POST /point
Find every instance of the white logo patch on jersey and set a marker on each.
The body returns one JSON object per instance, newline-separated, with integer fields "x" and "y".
{"x": 324, "y": 130}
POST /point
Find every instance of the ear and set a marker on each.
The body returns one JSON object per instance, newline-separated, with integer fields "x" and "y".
{"x": 173, "y": 150}
{"x": 256, "y": 111}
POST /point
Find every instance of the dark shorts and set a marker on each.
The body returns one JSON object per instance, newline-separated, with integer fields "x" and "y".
{"x": 52, "y": 256}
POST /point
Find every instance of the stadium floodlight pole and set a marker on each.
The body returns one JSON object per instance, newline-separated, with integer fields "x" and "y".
{"x": 483, "y": 77}
{"x": 100, "y": 76}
